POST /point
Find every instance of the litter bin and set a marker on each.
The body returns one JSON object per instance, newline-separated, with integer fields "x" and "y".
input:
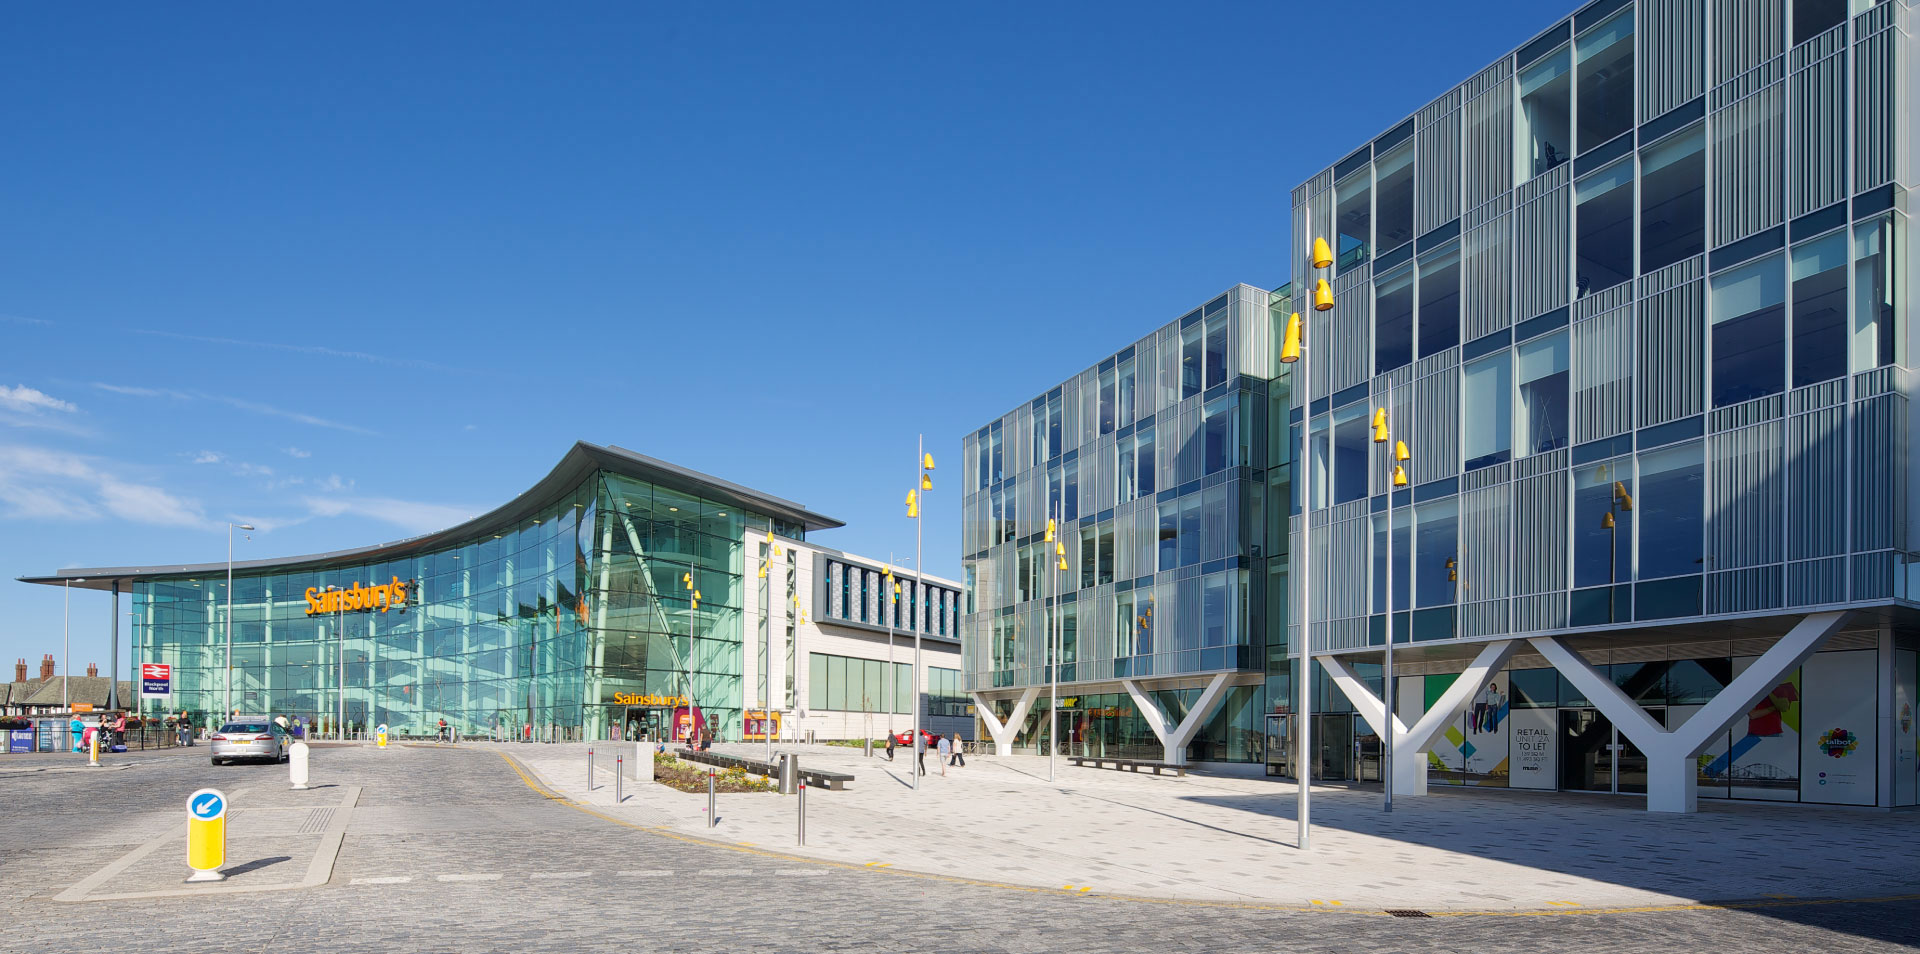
{"x": 789, "y": 773}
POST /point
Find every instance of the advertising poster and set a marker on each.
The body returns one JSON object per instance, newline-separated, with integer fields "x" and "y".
{"x": 1535, "y": 740}
{"x": 1711, "y": 766}
{"x": 1906, "y": 748}
{"x": 1838, "y": 741}
{"x": 1762, "y": 759}
{"x": 758, "y": 725}
{"x": 1473, "y": 750}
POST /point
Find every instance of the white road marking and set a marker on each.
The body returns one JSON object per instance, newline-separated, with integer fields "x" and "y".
{"x": 646, "y": 873}
{"x": 401, "y": 879}
{"x": 803, "y": 872}
{"x": 560, "y": 874}
{"x": 467, "y": 877}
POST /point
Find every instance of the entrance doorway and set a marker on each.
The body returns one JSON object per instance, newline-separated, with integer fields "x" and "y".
{"x": 1279, "y": 745}
{"x": 1595, "y": 757}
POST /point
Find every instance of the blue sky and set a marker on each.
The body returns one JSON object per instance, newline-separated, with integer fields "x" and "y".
{"x": 356, "y": 272}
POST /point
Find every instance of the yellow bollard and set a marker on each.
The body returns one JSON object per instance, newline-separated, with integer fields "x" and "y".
{"x": 380, "y": 736}
{"x": 207, "y": 834}
{"x": 93, "y": 748}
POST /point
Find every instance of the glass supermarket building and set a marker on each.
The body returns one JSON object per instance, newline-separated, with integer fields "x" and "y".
{"x": 567, "y": 611}
{"x": 1636, "y": 297}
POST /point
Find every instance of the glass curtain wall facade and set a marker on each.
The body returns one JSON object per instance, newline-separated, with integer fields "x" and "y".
{"x": 1154, "y": 465}
{"x": 1664, "y": 252}
{"x": 562, "y": 620}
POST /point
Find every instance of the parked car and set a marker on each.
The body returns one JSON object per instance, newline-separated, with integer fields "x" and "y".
{"x": 249, "y": 739}
{"x": 905, "y": 738}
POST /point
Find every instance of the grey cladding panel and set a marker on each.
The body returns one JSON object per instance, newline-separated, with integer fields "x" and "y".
{"x": 1672, "y": 326}
{"x": 1602, "y": 376}
{"x": 1673, "y": 55}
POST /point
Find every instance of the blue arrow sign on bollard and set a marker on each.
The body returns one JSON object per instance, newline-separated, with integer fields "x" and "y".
{"x": 208, "y": 806}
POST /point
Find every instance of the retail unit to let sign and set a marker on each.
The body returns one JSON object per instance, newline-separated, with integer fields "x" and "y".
{"x": 156, "y": 680}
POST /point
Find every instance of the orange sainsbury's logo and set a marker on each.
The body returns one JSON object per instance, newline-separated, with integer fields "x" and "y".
{"x": 382, "y": 597}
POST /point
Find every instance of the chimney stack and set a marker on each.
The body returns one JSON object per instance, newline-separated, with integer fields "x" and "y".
{"x": 93, "y": 670}
{"x": 46, "y": 667}
{"x": 20, "y": 670}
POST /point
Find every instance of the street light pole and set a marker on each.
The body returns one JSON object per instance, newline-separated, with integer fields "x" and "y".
{"x": 1055, "y": 633}
{"x": 1396, "y": 456}
{"x": 231, "y": 526}
{"x": 1290, "y": 353}
{"x": 919, "y": 586}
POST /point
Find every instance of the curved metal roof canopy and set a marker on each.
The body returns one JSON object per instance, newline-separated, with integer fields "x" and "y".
{"x": 581, "y": 460}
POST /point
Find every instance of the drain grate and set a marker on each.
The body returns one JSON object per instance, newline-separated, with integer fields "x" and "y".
{"x": 1407, "y": 913}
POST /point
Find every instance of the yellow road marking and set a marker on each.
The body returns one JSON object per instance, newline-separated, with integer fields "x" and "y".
{"x": 665, "y": 832}
{"x": 1076, "y": 889}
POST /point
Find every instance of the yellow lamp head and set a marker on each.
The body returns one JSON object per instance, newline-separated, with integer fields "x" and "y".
{"x": 1606, "y": 520}
{"x": 769, "y": 536}
{"x": 1050, "y": 529}
{"x": 763, "y": 571}
{"x": 1399, "y": 476}
{"x": 1290, "y": 348}
{"x": 1400, "y": 452}
{"x": 926, "y": 462}
{"x": 1063, "y": 563}
{"x": 1379, "y": 425}
{"x": 1322, "y": 296}
{"x": 1059, "y": 549}
{"x": 1322, "y": 254}
{"x": 1620, "y": 494}
{"x": 926, "y": 482}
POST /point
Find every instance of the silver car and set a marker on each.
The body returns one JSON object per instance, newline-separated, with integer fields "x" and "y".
{"x": 249, "y": 740}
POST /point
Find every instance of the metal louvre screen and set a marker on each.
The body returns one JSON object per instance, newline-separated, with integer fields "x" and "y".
{"x": 1746, "y": 33}
{"x": 1540, "y": 533}
{"x": 1816, "y": 465}
{"x": 1437, "y": 200}
{"x": 1436, "y": 431}
{"x": 1876, "y": 109}
{"x": 1670, "y": 354}
{"x": 1542, "y": 232}
{"x": 1602, "y": 376}
{"x": 1818, "y": 162}
{"x": 1487, "y": 278}
{"x": 1487, "y": 166}
{"x": 1744, "y": 497}
{"x": 1672, "y": 55}
{"x": 1748, "y": 157}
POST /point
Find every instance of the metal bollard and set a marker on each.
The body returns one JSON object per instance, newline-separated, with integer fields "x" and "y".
{"x": 803, "y": 811}
{"x": 619, "y": 780}
{"x": 710, "y": 802}
{"x": 589, "y": 768}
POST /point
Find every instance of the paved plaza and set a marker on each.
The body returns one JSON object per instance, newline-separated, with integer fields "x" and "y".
{"x": 501, "y": 848}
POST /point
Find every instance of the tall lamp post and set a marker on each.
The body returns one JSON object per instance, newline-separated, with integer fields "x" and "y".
{"x": 693, "y": 611}
{"x": 1397, "y": 456}
{"x": 892, "y": 689}
{"x": 230, "y": 528}
{"x": 66, "y": 641}
{"x": 766, "y": 647}
{"x": 1290, "y": 352}
{"x": 920, "y": 590}
{"x": 1056, "y": 634}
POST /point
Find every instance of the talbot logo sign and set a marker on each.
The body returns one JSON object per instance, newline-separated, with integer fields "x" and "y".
{"x": 1839, "y": 743}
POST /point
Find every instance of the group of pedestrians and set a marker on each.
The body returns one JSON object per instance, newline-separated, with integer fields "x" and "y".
{"x": 949, "y": 752}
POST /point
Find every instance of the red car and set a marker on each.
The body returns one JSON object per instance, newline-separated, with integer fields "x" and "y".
{"x": 904, "y": 739}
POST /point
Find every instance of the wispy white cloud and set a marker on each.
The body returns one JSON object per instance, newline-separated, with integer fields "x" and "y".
{"x": 245, "y": 469}
{"x": 41, "y": 484}
{"x": 32, "y": 401}
{"x": 243, "y": 404}
{"x": 318, "y": 350}
{"x": 209, "y": 457}
{"x": 23, "y": 320}
{"x": 410, "y": 515}
{"x": 335, "y": 482}
{"x": 299, "y": 454}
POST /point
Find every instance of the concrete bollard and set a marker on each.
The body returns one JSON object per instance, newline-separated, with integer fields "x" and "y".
{"x": 297, "y": 766}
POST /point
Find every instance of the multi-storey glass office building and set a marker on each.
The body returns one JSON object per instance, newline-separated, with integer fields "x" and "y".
{"x": 1637, "y": 298}
{"x": 569, "y": 610}
{"x": 1153, "y": 466}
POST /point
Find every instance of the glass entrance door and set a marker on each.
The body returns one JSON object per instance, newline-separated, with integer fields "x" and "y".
{"x": 1279, "y": 745}
{"x": 1333, "y": 738}
{"x": 1586, "y": 751}
{"x": 1629, "y": 763}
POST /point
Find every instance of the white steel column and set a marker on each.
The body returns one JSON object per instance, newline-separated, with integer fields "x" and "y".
{"x": 1672, "y": 777}
{"x": 1003, "y": 732}
{"x": 1175, "y": 738}
{"x": 1410, "y": 744}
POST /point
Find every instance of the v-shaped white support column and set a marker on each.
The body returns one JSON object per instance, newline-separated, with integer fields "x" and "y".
{"x": 1175, "y": 739}
{"x": 1004, "y": 732}
{"x": 1672, "y": 775}
{"x": 1410, "y": 744}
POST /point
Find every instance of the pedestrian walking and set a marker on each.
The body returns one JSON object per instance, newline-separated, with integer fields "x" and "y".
{"x": 889, "y": 746}
{"x": 442, "y": 736}
{"x": 79, "y": 730}
{"x": 959, "y": 756}
{"x": 920, "y": 752}
{"x": 946, "y": 754}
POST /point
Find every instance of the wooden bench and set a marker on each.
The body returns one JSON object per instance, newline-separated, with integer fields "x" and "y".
{"x": 831, "y": 781}
{"x": 1131, "y": 765}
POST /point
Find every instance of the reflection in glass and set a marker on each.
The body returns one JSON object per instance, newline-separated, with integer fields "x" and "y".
{"x": 1603, "y": 523}
{"x": 1873, "y": 295}
{"x": 1670, "y": 511}
{"x": 1436, "y": 539}
{"x": 1393, "y": 321}
{"x": 1603, "y": 229}
{"x": 1353, "y": 220}
{"x": 1749, "y": 332}
{"x": 1673, "y": 208}
{"x": 1393, "y": 172}
{"x": 1216, "y": 350}
{"x": 1542, "y": 138}
{"x": 1541, "y": 366}
{"x": 1439, "y": 300}
{"x": 1820, "y": 309}
{"x": 1605, "y": 71}
{"x": 1486, "y": 409}
{"x": 1351, "y": 442}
